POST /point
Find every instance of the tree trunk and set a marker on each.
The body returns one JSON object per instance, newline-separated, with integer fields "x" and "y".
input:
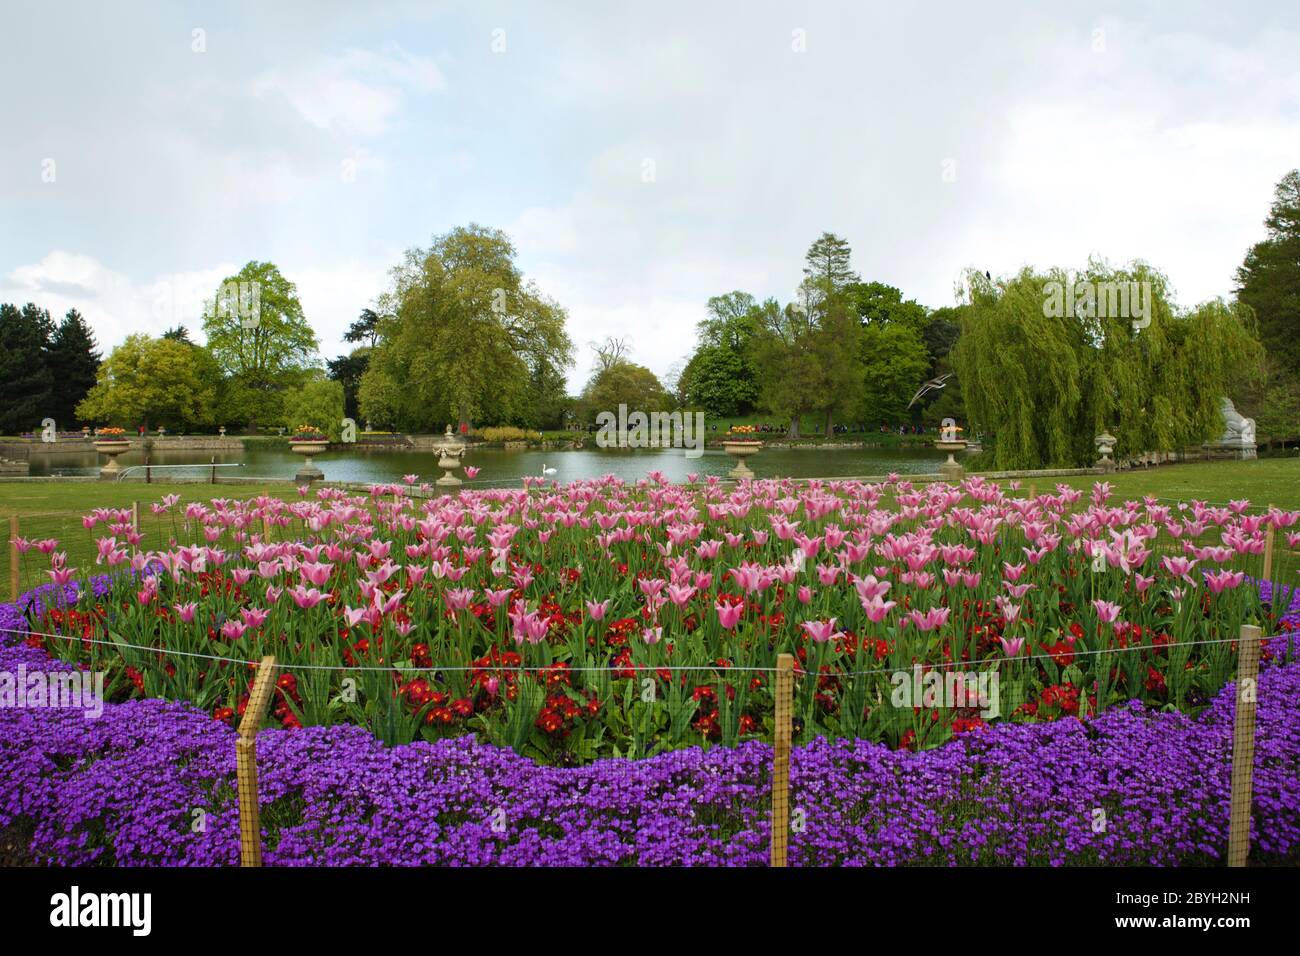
{"x": 794, "y": 425}
{"x": 830, "y": 424}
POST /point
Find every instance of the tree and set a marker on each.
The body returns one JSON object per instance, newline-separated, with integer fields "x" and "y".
{"x": 827, "y": 263}
{"x": 150, "y": 381}
{"x": 895, "y": 361}
{"x": 319, "y": 403}
{"x": 1269, "y": 282}
{"x": 721, "y": 381}
{"x": 73, "y": 361}
{"x": 26, "y": 384}
{"x": 789, "y": 373}
{"x": 1045, "y": 382}
{"x": 720, "y": 376}
{"x": 881, "y": 304}
{"x": 179, "y": 333}
{"x": 257, "y": 332}
{"x": 347, "y": 370}
{"x": 365, "y": 329}
{"x": 610, "y": 352}
{"x": 623, "y": 383}
{"x": 465, "y": 335}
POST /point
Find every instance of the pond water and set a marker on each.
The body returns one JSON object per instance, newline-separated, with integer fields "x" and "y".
{"x": 501, "y": 467}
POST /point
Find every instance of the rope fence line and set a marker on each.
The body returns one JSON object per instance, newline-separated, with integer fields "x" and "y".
{"x": 740, "y": 668}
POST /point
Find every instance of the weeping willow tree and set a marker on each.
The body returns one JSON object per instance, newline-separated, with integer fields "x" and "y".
{"x": 1048, "y": 360}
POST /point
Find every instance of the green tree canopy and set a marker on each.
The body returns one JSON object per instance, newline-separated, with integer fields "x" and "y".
{"x": 895, "y": 361}
{"x": 1045, "y": 381}
{"x": 466, "y": 336}
{"x": 317, "y": 402}
{"x": 257, "y": 333}
{"x": 74, "y": 362}
{"x": 151, "y": 382}
{"x": 623, "y": 383}
{"x": 26, "y": 384}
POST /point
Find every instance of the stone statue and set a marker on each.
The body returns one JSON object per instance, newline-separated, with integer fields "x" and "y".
{"x": 1239, "y": 430}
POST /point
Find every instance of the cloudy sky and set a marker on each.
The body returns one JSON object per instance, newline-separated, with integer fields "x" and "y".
{"x": 643, "y": 156}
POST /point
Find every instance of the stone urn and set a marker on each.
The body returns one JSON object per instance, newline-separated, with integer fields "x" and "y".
{"x": 111, "y": 448}
{"x": 450, "y": 451}
{"x": 1105, "y": 443}
{"x": 308, "y": 447}
{"x": 740, "y": 450}
{"x": 950, "y": 440}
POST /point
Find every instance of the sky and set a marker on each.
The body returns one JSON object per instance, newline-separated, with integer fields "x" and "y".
{"x": 642, "y": 156}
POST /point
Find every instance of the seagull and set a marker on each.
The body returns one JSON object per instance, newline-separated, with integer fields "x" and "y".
{"x": 931, "y": 386}
{"x": 547, "y": 472}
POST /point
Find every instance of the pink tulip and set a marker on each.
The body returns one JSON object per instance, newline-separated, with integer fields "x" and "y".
{"x": 821, "y": 631}
{"x": 312, "y": 573}
{"x": 729, "y": 614}
{"x": 233, "y": 630}
{"x": 869, "y": 588}
{"x": 932, "y": 619}
{"x": 306, "y": 598}
{"x": 1107, "y": 612}
{"x": 1219, "y": 581}
{"x": 471, "y": 472}
{"x": 1012, "y": 646}
{"x": 459, "y": 599}
{"x": 185, "y": 612}
{"x": 497, "y": 597}
{"x": 805, "y": 594}
{"x": 680, "y": 595}
{"x": 877, "y": 610}
{"x": 652, "y": 635}
{"x": 253, "y": 617}
{"x": 1179, "y": 567}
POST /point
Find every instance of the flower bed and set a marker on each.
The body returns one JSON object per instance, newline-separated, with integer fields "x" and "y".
{"x": 124, "y": 790}
{"x": 605, "y": 619}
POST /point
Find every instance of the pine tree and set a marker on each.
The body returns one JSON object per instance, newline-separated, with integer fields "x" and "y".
{"x": 26, "y": 385}
{"x": 828, "y": 262}
{"x": 1269, "y": 278}
{"x": 74, "y": 360}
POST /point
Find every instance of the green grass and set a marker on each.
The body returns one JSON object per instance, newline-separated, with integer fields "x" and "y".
{"x": 1267, "y": 481}
{"x": 42, "y": 497}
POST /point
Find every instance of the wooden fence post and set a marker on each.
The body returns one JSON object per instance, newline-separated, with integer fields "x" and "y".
{"x": 135, "y": 516}
{"x": 1243, "y": 745}
{"x": 250, "y": 818}
{"x": 13, "y": 558}
{"x": 781, "y": 758}
{"x": 1268, "y": 555}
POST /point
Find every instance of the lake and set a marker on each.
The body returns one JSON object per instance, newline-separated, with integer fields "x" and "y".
{"x": 500, "y": 467}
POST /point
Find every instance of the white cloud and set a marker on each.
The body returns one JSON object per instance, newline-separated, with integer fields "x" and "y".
{"x": 356, "y": 93}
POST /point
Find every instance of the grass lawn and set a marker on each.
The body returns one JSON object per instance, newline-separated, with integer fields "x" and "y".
{"x": 42, "y": 497}
{"x": 1266, "y": 481}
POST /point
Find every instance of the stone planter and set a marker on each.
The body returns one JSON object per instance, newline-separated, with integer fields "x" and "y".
{"x": 740, "y": 450}
{"x": 450, "y": 451}
{"x": 111, "y": 448}
{"x": 951, "y": 470}
{"x": 308, "y": 472}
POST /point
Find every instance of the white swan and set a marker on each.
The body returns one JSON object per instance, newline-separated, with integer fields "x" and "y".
{"x": 547, "y": 472}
